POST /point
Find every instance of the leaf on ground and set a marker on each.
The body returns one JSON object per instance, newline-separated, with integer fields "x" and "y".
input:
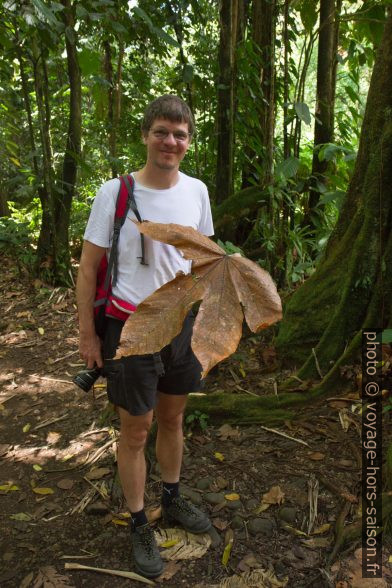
{"x": 21, "y": 516}
{"x": 226, "y": 554}
{"x": 52, "y": 437}
{"x": 228, "y": 432}
{"x": 98, "y": 473}
{"x": 37, "y": 467}
{"x": 293, "y": 530}
{"x": 273, "y": 496}
{"x": 322, "y": 529}
{"x": 43, "y": 491}
{"x": 65, "y": 484}
{"x": 120, "y": 522}
{"x": 229, "y": 540}
{"x": 48, "y": 577}
{"x": 41, "y": 331}
{"x": 248, "y": 562}
{"x": 231, "y": 287}
{"x": 233, "y": 496}
{"x": 219, "y": 484}
{"x": 9, "y": 487}
{"x": 316, "y": 456}
{"x": 220, "y": 524}
{"x": 354, "y": 573}
{"x": 170, "y": 543}
{"x": 188, "y": 546}
{"x": 219, "y": 456}
{"x": 171, "y": 568}
{"x": 316, "y": 542}
{"x": 26, "y": 428}
{"x": 254, "y": 579}
{"x": 25, "y": 583}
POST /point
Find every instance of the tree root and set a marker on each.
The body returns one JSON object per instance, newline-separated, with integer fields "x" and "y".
{"x": 352, "y": 532}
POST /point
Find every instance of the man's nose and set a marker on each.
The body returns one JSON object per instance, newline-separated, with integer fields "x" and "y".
{"x": 170, "y": 140}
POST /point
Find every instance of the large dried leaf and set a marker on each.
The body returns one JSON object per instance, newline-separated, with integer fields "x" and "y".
{"x": 48, "y": 577}
{"x": 181, "y": 544}
{"x": 254, "y": 579}
{"x": 229, "y": 286}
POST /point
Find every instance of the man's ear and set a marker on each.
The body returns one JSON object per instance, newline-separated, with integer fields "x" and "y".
{"x": 144, "y": 138}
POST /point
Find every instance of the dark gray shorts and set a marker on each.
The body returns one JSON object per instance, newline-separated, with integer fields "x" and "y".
{"x": 133, "y": 381}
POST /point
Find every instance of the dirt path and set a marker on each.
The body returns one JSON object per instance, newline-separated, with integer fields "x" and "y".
{"x": 57, "y": 446}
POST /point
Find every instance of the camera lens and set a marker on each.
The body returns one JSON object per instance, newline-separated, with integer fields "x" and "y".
{"x": 87, "y": 378}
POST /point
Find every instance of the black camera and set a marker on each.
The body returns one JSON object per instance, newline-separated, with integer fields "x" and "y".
{"x": 85, "y": 379}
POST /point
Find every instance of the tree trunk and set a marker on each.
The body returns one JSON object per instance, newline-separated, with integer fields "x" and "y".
{"x": 225, "y": 111}
{"x": 263, "y": 35}
{"x": 176, "y": 17}
{"x": 352, "y": 286}
{"x": 286, "y": 146}
{"x": 117, "y": 96}
{"x": 45, "y": 253}
{"x": 108, "y": 68}
{"x": 4, "y": 210}
{"x": 264, "y": 22}
{"x": 325, "y": 94}
{"x": 65, "y": 191}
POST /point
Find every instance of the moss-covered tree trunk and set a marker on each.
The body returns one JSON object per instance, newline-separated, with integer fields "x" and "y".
{"x": 352, "y": 286}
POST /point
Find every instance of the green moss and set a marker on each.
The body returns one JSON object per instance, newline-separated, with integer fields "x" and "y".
{"x": 244, "y": 409}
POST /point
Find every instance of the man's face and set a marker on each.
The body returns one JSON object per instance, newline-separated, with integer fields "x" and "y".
{"x": 167, "y": 142}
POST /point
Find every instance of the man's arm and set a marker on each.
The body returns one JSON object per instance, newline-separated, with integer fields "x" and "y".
{"x": 89, "y": 342}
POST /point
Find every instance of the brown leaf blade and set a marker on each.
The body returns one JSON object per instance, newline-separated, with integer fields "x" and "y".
{"x": 257, "y": 293}
{"x": 159, "y": 318}
{"x": 194, "y": 245}
{"x": 218, "y": 326}
{"x": 49, "y": 577}
{"x": 229, "y": 287}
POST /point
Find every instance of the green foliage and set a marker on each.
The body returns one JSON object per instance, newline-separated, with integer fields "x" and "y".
{"x": 229, "y": 247}
{"x": 303, "y": 112}
{"x": 288, "y": 167}
{"x": 15, "y": 241}
{"x": 79, "y": 216}
{"x": 173, "y": 48}
{"x": 197, "y": 419}
{"x": 387, "y": 336}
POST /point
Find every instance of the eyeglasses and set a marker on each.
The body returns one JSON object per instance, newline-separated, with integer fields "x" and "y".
{"x": 179, "y": 136}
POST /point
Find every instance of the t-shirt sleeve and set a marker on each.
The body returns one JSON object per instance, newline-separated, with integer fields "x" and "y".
{"x": 205, "y": 225}
{"x": 99, "y": 228}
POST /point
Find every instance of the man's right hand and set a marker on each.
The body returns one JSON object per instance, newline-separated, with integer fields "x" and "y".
{"x": 89, "y": 342}
{"x": 90, "y": 350}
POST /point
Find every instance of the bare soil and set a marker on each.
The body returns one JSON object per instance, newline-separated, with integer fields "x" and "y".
{"x": 52, "y": 435}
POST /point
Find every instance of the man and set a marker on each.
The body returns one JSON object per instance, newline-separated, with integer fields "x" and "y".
{"x": 139, "y": 385}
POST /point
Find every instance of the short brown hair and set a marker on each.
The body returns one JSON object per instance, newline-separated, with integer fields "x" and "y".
{"x": 171, "y": 107}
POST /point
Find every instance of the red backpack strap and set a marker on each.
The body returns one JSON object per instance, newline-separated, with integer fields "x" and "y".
{"x": 125, "y": 201}
{"x": 122, "y": 202}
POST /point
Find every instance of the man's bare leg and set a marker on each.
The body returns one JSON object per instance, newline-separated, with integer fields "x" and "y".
{"x": 130, "y": 457}
{"x": 169, "y": 449}
{"x": 170, "y": 438}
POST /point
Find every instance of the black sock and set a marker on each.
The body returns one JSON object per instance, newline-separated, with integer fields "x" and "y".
{"x": 170, "y": 490}
{"x": 138, "y": 519}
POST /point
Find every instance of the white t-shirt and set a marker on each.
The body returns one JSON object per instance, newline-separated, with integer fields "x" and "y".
{"x": 186, "y": 204}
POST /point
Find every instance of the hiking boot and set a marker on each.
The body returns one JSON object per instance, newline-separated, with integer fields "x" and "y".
{"x": 188, "y": 516}
{"x": 145, "y": 551}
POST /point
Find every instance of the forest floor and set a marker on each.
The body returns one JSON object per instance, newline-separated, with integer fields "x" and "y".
{"x": 262, "y": 490}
